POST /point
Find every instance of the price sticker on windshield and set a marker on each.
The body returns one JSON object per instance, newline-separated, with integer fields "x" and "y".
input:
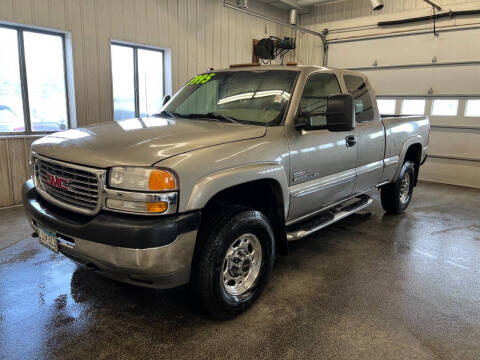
{"x": 201, "y": 79}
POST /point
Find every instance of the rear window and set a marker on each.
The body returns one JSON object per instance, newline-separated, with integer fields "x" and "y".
{"x": 361, "y": 98}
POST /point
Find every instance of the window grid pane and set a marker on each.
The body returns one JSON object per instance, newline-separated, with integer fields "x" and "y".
{"x": 46, "y": 81}
{"x": 150, "y": 81}
{"x": 413, "y": 107}
{"x": 386, "y": 106}
{"x": 444, "y": 107}
{"x": 11, "y": 102}
{"x": 472, "y": 108}
{"x": 123, "y": 82}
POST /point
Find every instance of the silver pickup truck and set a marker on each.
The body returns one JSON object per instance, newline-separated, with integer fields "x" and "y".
{"x": 238, "y": 163}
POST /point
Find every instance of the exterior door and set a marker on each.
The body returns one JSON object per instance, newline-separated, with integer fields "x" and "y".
{"x": 322, "y": 166}
{"x": 369, "y": 133}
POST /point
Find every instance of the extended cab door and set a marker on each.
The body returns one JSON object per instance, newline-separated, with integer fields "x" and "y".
{"x": 369, "y": 133}
{"x": 322, "y": 163}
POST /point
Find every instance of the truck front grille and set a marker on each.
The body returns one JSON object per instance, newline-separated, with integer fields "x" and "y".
{"x": 70, "y": 186}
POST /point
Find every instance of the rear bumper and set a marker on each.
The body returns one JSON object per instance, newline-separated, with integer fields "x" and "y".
{"x": 146, "y": 251}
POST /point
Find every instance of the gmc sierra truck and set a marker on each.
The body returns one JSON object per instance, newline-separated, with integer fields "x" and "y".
{"x": 237, "y": 164}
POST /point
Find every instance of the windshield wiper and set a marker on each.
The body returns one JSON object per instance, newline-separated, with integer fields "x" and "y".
{"x": 218, "y": 116}
{"x": 211, "y": 115}
{"x": 172, "y": 115}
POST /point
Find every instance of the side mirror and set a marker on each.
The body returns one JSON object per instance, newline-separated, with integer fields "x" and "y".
{"x": 166, "y": 99}
{"x": 340, "y": 115}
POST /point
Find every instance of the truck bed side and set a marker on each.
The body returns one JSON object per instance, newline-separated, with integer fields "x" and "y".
{"x": 401, "y": 133}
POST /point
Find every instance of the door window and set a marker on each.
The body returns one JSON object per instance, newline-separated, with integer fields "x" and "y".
{"x": 315, "y": 94}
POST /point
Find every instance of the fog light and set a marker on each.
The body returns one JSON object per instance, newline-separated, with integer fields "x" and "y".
{"x": 136, "y": 206}
{"x": 157, "y": 207}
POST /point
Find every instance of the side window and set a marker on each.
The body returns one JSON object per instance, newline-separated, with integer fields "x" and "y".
{"x": 361, "y": 98}
{"x": 314, "y": 98}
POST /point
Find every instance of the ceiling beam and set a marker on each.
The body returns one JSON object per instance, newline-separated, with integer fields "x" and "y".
{"x": 312, "y": 2}
{"x": 292, "y": 3}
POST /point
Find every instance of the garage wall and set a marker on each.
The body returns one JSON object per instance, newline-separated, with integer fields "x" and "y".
{"x": 351, "y": 9}
{"x": 408, "y": 61}
{"x": 200, "y": 34}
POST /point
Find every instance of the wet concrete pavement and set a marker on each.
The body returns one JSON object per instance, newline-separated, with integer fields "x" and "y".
{"x": 368, "y": 287}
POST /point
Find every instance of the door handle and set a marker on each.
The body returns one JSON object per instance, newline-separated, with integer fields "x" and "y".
{"x": 351, "y": 140}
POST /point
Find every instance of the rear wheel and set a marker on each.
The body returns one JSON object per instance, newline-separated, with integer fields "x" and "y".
{"x": 234, "y": 261}
{"x": 397, "y": 196}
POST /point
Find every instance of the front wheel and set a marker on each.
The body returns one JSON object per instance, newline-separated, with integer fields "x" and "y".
{"x": 396, "y": 197}
{"x": 234, "y": 261}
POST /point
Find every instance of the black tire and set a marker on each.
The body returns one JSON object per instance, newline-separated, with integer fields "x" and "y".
{"x": 394, "y": 199}
{"x": 223, "y": 229}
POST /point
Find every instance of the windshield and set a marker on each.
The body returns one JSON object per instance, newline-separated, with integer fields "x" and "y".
{"x": 256, "y": 97}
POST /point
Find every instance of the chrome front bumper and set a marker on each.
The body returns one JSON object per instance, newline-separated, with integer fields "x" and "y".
{"x": 162, "y": 267}
{"x": 133, "y": 249}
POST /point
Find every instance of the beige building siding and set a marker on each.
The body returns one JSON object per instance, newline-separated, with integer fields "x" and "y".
{"x": 199, "y": 33}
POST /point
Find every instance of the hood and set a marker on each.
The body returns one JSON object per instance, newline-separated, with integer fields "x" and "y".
{"x": 140, "y": 142}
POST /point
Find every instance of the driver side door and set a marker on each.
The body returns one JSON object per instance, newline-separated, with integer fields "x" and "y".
{"x": 322, "y": 163}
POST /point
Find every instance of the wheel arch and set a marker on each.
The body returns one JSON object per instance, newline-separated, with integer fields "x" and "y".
{"x": 411, "y": 151}
{"x": 265, "y": 195}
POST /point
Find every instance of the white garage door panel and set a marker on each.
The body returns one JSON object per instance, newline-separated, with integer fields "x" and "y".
{"x": 405, "y": 68}
{"x": 459, "y": 121}
{"x": 465, "y": 173}
{"x": 444, "y": 80}
{"x": 456, "y": 143}
{"x": 405, "y": 50}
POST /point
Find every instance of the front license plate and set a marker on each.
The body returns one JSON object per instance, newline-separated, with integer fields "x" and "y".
{"x": 48, "y": 239}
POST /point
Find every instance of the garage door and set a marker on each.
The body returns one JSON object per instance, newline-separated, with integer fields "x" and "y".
{"x": 437, "y": 76}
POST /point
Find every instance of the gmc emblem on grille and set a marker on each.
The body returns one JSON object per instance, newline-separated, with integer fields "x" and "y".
{"x": 57, "y": 181}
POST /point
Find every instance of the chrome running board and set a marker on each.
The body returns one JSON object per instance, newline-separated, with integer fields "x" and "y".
{"x": 299, "y": 231}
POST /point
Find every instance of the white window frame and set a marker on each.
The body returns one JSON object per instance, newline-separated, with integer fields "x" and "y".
{"x": 167, "y": 82}
{"x": 440, "y": 99}
{"x": 68, "y": 72}
{"x": 409, "y": 99}
{"x": 466, "y": 106}
{"x": 388, "y": 98}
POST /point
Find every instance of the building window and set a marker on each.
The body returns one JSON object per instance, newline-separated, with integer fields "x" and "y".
{"x": 33, "y": 83}
{"x": 413, "y": 107}
{"x": 138, "y": 81}
{"x": 473, "y": 108}
{"x": 444, "y": 107}
{"x": 386, "y": 106}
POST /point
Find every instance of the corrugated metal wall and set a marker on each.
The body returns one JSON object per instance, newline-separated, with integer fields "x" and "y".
{"x": 200, "y": 33}
{"x": 349, "y": 9}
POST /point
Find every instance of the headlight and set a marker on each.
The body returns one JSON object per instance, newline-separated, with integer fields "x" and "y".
{"x": 142, "y": 179}
{"x": 150, "y": 191}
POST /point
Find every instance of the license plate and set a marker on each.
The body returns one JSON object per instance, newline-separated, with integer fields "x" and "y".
{"x": 48, "y": 239}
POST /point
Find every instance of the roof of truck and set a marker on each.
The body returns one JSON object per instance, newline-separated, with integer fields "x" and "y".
{"x": 301, "y": 68}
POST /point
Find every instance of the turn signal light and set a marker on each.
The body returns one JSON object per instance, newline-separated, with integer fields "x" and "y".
{"x": 157, "y": 207}
{"x": 161, "y": 180}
